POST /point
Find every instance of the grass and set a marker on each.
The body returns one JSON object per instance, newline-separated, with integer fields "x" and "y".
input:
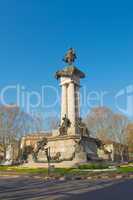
{"x": 62, "y": 171}
{"x": 23, "y": 170}
{"x": 125, "y": 169}
{"x": 42, "y": 171}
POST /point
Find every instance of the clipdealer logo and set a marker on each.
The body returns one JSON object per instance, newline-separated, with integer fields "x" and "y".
{"x": 126, "y": 95}
{"x": 49, "y": 97}
{"x": 29, "y": 99}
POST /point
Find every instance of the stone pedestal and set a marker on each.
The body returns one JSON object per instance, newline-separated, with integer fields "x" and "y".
{"x": 65, "y": 151}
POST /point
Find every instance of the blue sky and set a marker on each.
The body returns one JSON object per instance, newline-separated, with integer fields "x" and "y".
{"x": 35, "y": 34}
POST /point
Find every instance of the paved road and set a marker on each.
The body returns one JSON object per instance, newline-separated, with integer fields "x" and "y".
{"x": 28, "y": 188}
{"x": 120, "y": 191}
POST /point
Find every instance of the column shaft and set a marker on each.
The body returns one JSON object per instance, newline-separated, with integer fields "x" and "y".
{"x": 71, "y": 103}
{"x": 77, "y": 104}
{"x": 63, "y": 101}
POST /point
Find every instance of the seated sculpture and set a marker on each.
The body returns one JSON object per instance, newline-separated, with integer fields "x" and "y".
{"x": 65, "y": 125}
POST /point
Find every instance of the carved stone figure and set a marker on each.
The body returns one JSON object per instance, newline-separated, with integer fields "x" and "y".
{"x": 65, "y": 125}
{"x": 41, "y": 146}
{"x": 83, "y": 130}
{"x": 56, "y": 157}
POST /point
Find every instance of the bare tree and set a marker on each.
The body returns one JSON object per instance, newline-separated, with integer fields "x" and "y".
{"x": 107, "y": 126}
{"x": 119, "y": 133}
{"x": 130, "y": 139}
{"x": 99, "y": 121}
{"x": 37, "y": 122}
{"x": 15, "y": 123}
{"x": 52, "y": 123}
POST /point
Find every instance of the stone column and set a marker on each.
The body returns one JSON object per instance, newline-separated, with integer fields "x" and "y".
{"x": 71, "y": 103}
{"x": 77, "y": 101}
{"x": 63, "y": 101}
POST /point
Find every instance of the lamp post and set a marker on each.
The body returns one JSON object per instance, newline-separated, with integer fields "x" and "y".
{"x": 47, "y": 151}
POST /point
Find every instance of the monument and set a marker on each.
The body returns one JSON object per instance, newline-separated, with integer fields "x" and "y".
{"x": 71, "y": 143}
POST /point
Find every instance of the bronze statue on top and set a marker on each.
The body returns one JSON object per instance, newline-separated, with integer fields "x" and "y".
{"x": 70, "y": 56}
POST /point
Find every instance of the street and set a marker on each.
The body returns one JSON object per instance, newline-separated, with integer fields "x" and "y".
{"x": 31, "y": 188}
{"x": 122, "y": 191}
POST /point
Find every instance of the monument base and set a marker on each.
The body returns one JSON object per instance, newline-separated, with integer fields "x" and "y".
{"x": 67, "y": 151}
{"x": 64, "y": 151}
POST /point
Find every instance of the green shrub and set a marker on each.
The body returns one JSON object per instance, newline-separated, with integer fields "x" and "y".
{"x": 94, "y": 166}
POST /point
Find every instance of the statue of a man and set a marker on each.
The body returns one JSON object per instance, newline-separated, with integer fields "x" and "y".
{"x": 70, "y": 56}
{"x": 65, "y": 125}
